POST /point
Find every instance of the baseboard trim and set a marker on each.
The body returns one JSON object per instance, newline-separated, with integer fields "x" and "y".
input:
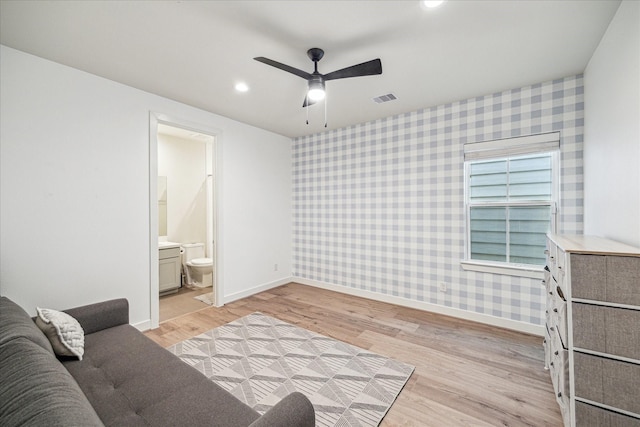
{"x": 425, "y": 306}
{"x": 145, "y": 325}
{"x": 256, "y": 289}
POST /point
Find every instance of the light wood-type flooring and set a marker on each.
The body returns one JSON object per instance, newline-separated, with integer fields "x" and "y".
{"x": 467, "y": 374}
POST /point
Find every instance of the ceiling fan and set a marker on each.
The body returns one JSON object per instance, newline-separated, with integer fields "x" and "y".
{"x": 316, "y": 80}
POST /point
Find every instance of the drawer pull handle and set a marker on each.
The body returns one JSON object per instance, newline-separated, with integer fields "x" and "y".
{"x": 546, "y": 267}
{"x": 555, "y": 310}
{"x": 551, "y": 363}
{"x": 560, "y": 394}
{"x": 555, "y": 352}
{"x": 552, "y": 329}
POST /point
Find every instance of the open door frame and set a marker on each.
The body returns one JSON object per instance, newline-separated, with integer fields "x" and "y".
{"x": 154, "y": 120}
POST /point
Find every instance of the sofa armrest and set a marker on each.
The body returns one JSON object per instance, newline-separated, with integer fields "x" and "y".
{"x": 295, "y": 410}
{"x": 102, "y": 315}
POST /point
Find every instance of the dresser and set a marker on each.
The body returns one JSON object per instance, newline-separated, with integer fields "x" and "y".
{"x": 592, "y": 335}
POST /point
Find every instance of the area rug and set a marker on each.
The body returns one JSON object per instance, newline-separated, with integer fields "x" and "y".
{"x": 260, "y": 360}
{"x": 205, "y": 298}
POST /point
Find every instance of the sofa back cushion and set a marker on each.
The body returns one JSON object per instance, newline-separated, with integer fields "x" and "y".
{"x": 15, "y": 323}
{"x": 36, "y": 389}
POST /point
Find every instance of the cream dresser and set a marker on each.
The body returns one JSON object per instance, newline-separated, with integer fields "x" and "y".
{"x": 592, "y": 342}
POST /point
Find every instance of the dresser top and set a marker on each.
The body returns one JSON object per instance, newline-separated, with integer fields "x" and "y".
{"x": 579, "y": 243}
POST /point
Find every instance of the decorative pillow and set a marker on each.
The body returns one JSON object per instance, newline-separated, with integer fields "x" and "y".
{"x": 63, "y": 331}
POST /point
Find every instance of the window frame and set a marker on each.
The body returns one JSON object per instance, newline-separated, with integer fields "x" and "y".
{"x": 509, "y": 268}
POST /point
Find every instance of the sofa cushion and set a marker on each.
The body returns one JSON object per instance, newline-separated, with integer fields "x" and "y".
{"x": 36, "y": 390}
{"x": 130, "y": 380}
{"x": 63, "y": 331}
{"x": 15, "y": 323}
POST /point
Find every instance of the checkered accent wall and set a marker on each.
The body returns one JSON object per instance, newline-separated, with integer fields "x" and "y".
{"x": 379, "y": 206}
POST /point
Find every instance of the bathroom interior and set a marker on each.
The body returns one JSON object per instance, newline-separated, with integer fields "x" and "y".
{"x": 185, "y": 221}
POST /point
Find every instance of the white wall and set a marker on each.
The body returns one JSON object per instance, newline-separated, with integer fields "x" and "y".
{"x": 612, "y": 131}
{"x": 183, "y": 162}
{"x": 74, "y": 202}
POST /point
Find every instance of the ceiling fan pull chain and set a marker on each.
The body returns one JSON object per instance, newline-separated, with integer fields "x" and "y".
{"x": 307, "y": 108}
{"x": 325, "y": 111}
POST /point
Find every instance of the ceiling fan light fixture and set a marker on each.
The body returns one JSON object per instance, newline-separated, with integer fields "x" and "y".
{"x": 432, "y": 3}
{"x": 316, "y": 91}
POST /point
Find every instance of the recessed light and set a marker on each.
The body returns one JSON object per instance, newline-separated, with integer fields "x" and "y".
{"x": 242, "y": 87}
{"x": 432, "y": 3}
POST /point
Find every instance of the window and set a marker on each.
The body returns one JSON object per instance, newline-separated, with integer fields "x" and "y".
{"x": 510, "y": 199}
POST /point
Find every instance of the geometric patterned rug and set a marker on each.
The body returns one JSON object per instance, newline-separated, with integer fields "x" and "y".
{"x": 260, "y": 360}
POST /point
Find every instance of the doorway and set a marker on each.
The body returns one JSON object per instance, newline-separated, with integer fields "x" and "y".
{"x": 183, "y": 209}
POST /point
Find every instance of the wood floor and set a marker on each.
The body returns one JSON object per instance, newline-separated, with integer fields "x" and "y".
{"x": 467, "y": 374}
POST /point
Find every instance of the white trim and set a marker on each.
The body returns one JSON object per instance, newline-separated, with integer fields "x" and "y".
{"x": 154, "y": 272}
{"x": 155, "y": 119}
{"x": 425, "y": 306}
{"x": 256, "y": 290}
{"x": 602, "y": 405}
{"x": 606, "y": 355}
{"x": 532, "y": 272}
{"x": 515, "y": 146}
{"x": 606, "y": 303}
{"x": 145, "y": 325}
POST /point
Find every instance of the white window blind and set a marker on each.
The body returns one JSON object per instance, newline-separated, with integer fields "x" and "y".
{"x": 510, "y": 198}
{"x": 544, "y": 142}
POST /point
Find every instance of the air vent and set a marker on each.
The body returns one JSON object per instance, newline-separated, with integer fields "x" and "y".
{"x": 384, "y": 98}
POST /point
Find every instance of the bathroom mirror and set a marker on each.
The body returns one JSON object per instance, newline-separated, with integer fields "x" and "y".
{"x": 162, "y": 206}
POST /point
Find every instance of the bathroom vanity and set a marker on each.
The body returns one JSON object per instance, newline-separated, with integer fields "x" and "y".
{"x": 169, "y": 263}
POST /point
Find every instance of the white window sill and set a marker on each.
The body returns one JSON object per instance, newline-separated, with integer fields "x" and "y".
{"x": 519, "y": 270}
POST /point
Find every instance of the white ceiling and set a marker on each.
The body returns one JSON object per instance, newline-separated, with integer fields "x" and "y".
{"x": 195, "y": 51}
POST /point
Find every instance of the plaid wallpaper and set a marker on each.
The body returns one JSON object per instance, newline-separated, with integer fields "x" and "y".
{"x": 379, "y": 206}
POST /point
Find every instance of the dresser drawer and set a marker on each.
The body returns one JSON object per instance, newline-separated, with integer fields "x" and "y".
{"x": 546, "y": 344}
{"x": 589, "y": 415}
{"x": 606, "y": 278}
{"x": 623, "y": 280}
{"x": 556, "y": 313}
{"x": 607, "y": 330}
{"x": 559, "y": 370}
{"x": 561, "y": 273}
{"x": 611, "y": 382}
{"x": 546, "y": 281}
{"x": 588, "y": 276}
{"x": 552, "y": 257}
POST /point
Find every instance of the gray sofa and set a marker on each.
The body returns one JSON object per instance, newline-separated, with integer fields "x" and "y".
{"x": 124, "y": 379}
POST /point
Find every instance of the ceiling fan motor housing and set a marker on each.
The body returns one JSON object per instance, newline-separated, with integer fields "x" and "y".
{"x": 315, "y": 54}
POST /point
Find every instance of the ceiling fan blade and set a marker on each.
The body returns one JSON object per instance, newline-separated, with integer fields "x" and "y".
{"x": 284, "y": 67}
{"x": 368, "y": 68}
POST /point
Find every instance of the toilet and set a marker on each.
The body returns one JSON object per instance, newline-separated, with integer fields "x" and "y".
{"x": 198, "y": 270}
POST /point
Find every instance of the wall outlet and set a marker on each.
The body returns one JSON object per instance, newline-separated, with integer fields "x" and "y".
{"x": 275, "y": 267}
{"x": 442, "y": 287}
